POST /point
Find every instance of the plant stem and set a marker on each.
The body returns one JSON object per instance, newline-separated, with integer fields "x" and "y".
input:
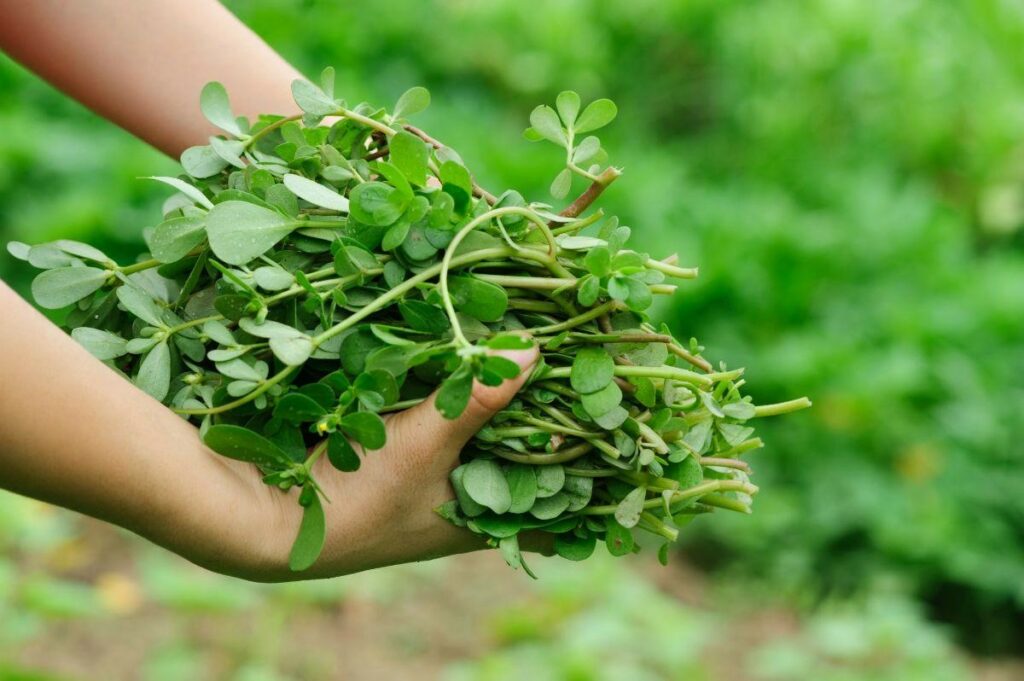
{"x": 270, "y": 128}
{"x": 782, "y": 407}
{"x": 700, "y": 490}
{"x": 722, "y": 462}
{"x": 579, "y": 319}
{"x": 424, "y": 276}
{"x": 318, "y": 451}
{"x": 567, "y": 454}
{"x": 140, "y": 266}
{"x": 539, "y": 283}
{"x": 245, "y": 399}
{"x": 673, "y": 373}
{"x": 672, "y": 270}
{"x": 590, "y": 195}
{"x": 745, "y": 446}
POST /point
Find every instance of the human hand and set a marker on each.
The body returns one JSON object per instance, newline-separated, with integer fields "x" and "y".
{"x": 381, "y": 514}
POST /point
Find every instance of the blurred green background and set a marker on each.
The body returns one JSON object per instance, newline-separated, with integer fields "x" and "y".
{"x": 848, "y": 175}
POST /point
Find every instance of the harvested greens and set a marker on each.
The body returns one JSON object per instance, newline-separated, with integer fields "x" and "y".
{"x": 311, "y": 274}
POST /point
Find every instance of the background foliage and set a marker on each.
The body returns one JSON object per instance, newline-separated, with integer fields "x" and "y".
{"x": 850, "y": 178}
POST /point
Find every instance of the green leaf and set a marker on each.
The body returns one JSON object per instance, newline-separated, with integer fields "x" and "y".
{"x": 294, "y": 350}
{"x": 522, "y": 484}
{"x": 100, "y": 344}
{"x": 185, "y": 188}
{"x": 550, "y": 480}
{"x": 202, "y": 161}
{"x": 687, "y": 472}
{"x": 18, "y": 250}
{"x": 240, "y": 231}
{"x": 57, "y": 288}
{"x": 312, "y": 99}
{"x": 327, "y": 81}
{"x": 273, "y": 278}
{"x": 487, "y": 486}
{"x": 469, "y": 507}
{"x": 80, "y": 250}
{"x": 739, "y": 410}
{"x": 509, "y": 341}
{"x": 618, "y": 539}
{"x": 502, "y": 366}
{"x": 140, "y": 304}
{"x": 214, "y": 103}
{"x": 592, "y": 369}
{"x": 579, "y": 489}
{"x": 341, "y": 453}
{"x": 546, "y": 124}
{"x": 410, "y": 154}
{"x": 598, "y": 261}
{"x": 395, "y": 235}
{"x": 562, "y": 184}
{"x": 412, "y": 101}
{"x": 298, "y": 408}
{"x": 310, "y": 540}
{"x": 371, "y": 203}
{"x": 242, "y": 444}
{"x": 600, "y": 402}
{"x": 316, "y": 193}
{"x": 571, "y": 547}
{"x": 229, "y": 150}
{"x": 453, "y": 173}
{"x": 549, "y": 508}
{"x": 498, "y": 526}
{"x": 612, "y": 419}
{"x": 586, "y": 150}
{"x": 423, "y": 316}
{"x": 454, "y": 393}
{"x": 365, "y": 428}
{"x": 154, "y": 377}
{"x": 478, "y": 298}
{"x": 627, "y": 513}
{"x": 172, "y": 239}
{"x": 588, "y": 291}
{"x": 598, "y": 114}
{"x": 568, "y": 105}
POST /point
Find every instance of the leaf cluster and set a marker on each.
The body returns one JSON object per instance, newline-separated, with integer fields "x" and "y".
{"x": 309, "y": 276}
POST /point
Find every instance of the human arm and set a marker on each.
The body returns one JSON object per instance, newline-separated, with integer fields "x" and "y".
{"x": 78, "y": 435}
{"x": 142, "y": 64}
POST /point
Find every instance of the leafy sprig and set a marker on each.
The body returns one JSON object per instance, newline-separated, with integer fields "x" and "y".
{"x": 313, "y": 272}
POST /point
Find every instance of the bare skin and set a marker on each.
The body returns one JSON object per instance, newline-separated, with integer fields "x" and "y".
{"x": 76, "y": 434}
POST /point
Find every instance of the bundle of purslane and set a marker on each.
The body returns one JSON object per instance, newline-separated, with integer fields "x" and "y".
{"x": 318, "y": 270}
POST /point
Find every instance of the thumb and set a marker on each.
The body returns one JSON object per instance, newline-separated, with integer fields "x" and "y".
{"x": 434, "y": 432}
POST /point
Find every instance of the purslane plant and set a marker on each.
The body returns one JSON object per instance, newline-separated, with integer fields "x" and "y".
{"x": 315, "y": 271}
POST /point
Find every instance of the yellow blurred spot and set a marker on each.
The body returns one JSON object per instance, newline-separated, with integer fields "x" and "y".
{"x": 919, "y": 462}
{"x": 69, "y": 555}
{"x": 838, "y": 413}
{"x": 119, "y": 594}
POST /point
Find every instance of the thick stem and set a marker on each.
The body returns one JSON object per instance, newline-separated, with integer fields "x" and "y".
{"x": 782, "y": 407}
{"x": 567, "y": 454}
{"x": 673, "y": 373}
{"x": 590, "y": 195}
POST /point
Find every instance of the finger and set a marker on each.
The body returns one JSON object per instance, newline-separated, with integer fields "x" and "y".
{"x": 425, "y": 428}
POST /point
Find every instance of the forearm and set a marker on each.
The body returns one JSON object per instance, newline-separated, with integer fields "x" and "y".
{"x": 74, "y": 433}
{"x": 143, "y": 64}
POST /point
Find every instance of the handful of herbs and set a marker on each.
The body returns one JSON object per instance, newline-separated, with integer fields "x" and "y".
{"x": 313, "y": 272}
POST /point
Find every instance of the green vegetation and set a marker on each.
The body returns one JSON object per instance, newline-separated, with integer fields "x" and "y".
{"x": 361, "y": 263}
